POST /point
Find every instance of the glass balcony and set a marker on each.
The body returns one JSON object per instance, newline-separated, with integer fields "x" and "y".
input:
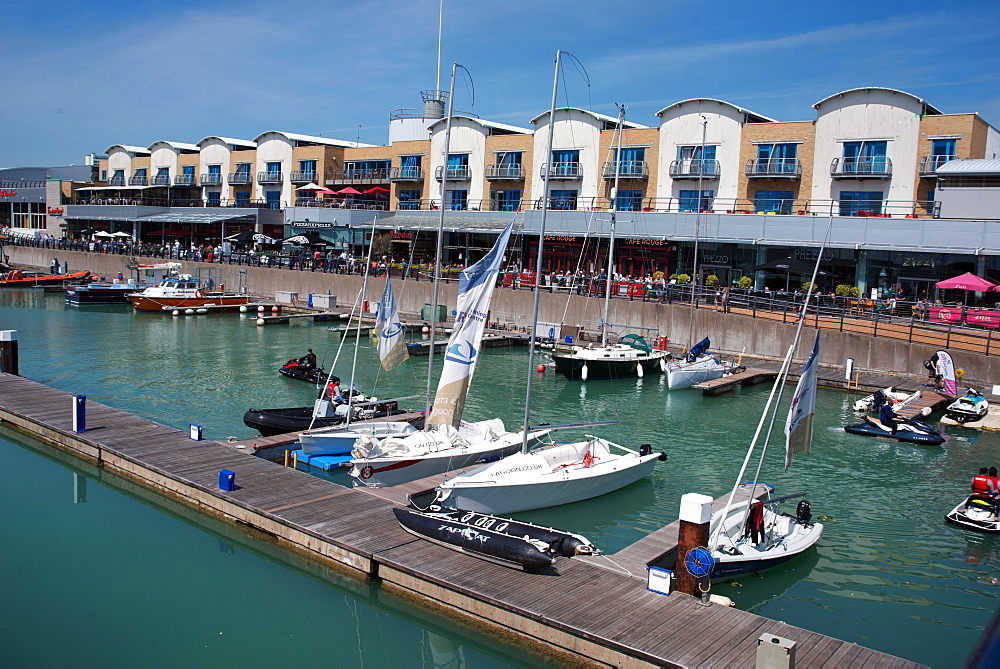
{"x": 132, "y": 181}
{"x": 773, "y": 168}
{"x": 161, "y": 180}
{"x": 184, "y": 180}
{"x": 694, "y": 168}
{"x": 357, "y": 176}
{"x": 862, "y": 167}
{"x": 563, "y": 171}
{"x": 930, "y": 164}
{"x": 213, "y": 179}
{"x": 302, "y": 177}
{"x": 239, "y": 177}
{"x": 120, "y": 181}
{"x": 406, "y": 174}
{"x": 269, "y": 177}
{"x": 627, "y": 169}
{"x": 455, "y": 173}
{"x": 507, "y": 172}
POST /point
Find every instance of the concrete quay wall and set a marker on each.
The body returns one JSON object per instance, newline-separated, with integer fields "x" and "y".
{"x": 731, "y": 334}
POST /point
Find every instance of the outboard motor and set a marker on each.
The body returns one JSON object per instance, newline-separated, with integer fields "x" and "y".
{"x": 878, "y": 399}
{"x": 803, "y": 514}
{"x": 645, "y": 449}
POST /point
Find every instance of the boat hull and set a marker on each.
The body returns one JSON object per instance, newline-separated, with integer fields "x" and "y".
{"x": 98, "y": 294}
{"x": 45, "y": 280}
{"x": 975, "y": 514}
{"x": 270, "y": 422}
{"x": 927, "y": 436}
{"x": 340, "y": 440}
{"x": 685, "y": 375}
{"x": 572, "y": 365}
{"x": 160, "y": 304}
{"x": 383, "y": 472}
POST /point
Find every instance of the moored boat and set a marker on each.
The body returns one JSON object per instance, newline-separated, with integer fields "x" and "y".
{"x": 18, "y": 279}
{"x": 875, "y": 401}
{"x": 630, "y": 357}
{"x": 911, "y": 431}
{"x": 183, "y": 293}
{"x": 977, "y": 513}
{"x": 969, "y": 408}
{"x": 697, "y": 367}
{"x": 270, "y": 422}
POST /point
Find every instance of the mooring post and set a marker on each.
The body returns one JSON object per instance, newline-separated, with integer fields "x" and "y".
{"x": 696, "y": 513}
{"x": 8, "y": 352}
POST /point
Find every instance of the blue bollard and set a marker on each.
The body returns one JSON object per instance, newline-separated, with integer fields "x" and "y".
{"x": 227, "y": 480}
{"x": 195, "y": 432}
{"x": 79, "y": 413}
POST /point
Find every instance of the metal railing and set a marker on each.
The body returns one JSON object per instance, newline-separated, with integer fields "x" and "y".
{"x": 160, "y": 180}
{"x": 510, "y": 172}
{"x": 357, "y": 176}
{"x": 455, "y": 172}
{"x": 770, "y": 168}
{"x": 239, "y": 178}
{"x": 694, "y": 168}
{"x": 184, "y": 180}
{"x": 302, "y": 177}
{"x": 562, "y": 170}
{"x": 321, "y": 203}
{"x": 406, "y": 174}
{"x": 211, "y": 179}
{"x": 863, "y": 167}
{"x": 269, "y": 177}
{"x": 132, "y": 181}
{"x": 929, "y": 165}
{"x": 626, "y": 169}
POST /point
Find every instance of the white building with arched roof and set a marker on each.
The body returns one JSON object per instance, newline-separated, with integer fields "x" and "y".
{"x": 214, "y": 163}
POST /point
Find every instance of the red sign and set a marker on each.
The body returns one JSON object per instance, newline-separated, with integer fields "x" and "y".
{"x": 946, "y": 315}
{"x": 983, "y": 317}
{"x": 56, "y": 211}
{"x": 8, "y": 193}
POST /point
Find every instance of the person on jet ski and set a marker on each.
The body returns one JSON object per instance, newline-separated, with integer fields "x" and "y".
{"x": 973, "y": 394}
{"x": 890, "y": 417}
{"x": 308, "y": 361}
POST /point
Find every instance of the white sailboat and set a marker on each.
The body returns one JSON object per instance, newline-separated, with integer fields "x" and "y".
{"x": 554, "y": 474}
{"x": 632, "y": 356}
{"x": 697, "y": 366}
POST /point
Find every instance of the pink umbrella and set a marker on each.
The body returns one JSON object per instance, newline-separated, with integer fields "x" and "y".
{"x": 348, "y": 191}
{"x": 376, "y": 189}
{"x": 966, "y": 281}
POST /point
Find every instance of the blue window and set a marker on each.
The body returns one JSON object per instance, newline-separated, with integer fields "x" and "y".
{"x": 366, "y": 169}
{"x": 409, "y": 168}
{"x": 776, "y": 158}
{"x": 162, "y": 172}
{"x": 273, "y": 168}
{"x": 273, "y": 198}
{"x": 307, "y": 166}
{"x": 859, "y": 203}
{"x": 563, "y": 199}
{"x": 187, "y": 170}
{"x": 942, "y": 150}
{"x": 509, "y": 158}
{"x": 566, "y": 163}
{"x": 865, "y": 158}
{"x": 409, "y": 199}
{"x": 778, "y": 201}
{"x": 118, "y": 178}
{"x": 214, "y": 197}
{"x": 689, "y": 200}
{"x": 216, "y": 169}
{"x": 242, "y": 198}
{"x": 458, "y": 200}
{"x": 628, "y": 200}
{"x": 697, "y": 160}
{"x": 632, "y": 160}
{"x": 140, "y": 172}
{"x": 104, "y": 175}
{"x": 506, "y": 200}
{"x": 243, "y": 169}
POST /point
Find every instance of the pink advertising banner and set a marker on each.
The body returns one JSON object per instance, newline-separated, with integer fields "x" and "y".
{"x": 983, "y": 317}
{"x": 951, "y": 315}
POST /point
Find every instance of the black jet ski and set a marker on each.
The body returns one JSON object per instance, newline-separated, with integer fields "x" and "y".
{"x": 501, "y": 540}
{"x": 296, "y": 369}
{"x": 911, "y": 431}
{"x": 270, "y": 422}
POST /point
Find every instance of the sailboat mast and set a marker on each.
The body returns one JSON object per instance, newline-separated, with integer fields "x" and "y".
{"x": 614, "y": 209}
{"x": 357, "y": 338}
{"x": 697, "y": 228}
{"x": 538, "y": 261}
{"x": 438, "y": 247}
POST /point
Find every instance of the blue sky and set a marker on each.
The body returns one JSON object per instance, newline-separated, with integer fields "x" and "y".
{"x": 78, "y": 77}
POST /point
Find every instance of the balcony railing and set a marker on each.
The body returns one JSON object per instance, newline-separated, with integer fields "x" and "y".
{"x": 302, "y": 177}
{"x": 563, "y": 170}
{"x": 773, "y": 168}
{"x": 355, "y": 176}
{"x": 161, "y": 180}
{"x": 184, "y": 180}
{"x": 509, "y": 172}
{"x": 269, "y": 177}
{"x": 626, "y": 169}
{"x": 930, "y": 164}
{"x": 118, "y": 181}
{"x": 406, "y": 174}
{"x": 212, "y": 179}
{"x": 865, "y": 167}
{"x": 694, "y": 168}
{"x": 455, "y": 172}
{"x": 132, "y": 181}
{"x": 239, "y": 177}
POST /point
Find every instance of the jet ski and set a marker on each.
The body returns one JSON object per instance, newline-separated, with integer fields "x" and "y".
{"x": 911, "y": 431}
{"x": 976, "y": 512}
{"x": 970, "y": 407}
{"x": 270, "y": 422}
{"x": 296, "y": 369}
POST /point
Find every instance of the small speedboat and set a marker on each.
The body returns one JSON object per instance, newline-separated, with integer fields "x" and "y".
{"x": 184, "y": 292}
{"x": 501, "y": 540}
{"x": 875, "y": 401}
{"x": 15, "y": 278}
{"x": 294, "y": 369}
{"x": 970, "y": 407}
{"x": 911, "y": 431}
{"x": 977, "y": 513}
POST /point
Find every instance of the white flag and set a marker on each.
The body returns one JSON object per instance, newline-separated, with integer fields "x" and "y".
{"x": 475, "y": 289}
{"x": 389, "y": 330}
{"x": 799, "y": 428}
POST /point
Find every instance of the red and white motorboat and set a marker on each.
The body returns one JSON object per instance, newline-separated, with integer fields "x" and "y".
{"x": 183, "y": 293}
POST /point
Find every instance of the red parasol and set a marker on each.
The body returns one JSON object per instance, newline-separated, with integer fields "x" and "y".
{"x": 375, "y": 190}
{"x": 348, "y": 191}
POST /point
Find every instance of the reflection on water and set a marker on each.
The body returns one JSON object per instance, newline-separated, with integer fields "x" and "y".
{"x": 887, "y": 544}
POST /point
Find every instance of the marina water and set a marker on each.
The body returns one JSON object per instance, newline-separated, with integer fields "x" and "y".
{"x": 125, "y": 574}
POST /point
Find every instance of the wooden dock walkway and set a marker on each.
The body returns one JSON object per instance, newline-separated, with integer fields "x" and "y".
{"x": 749, "y": 376}
{"x": 575, "y": 606}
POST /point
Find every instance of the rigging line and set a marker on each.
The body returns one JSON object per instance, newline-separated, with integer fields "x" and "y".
{"x": 579, "y": 261}
{"x": 357, "y": 340}
{"x": 470, "y": 86}
{"x": 336, "y": 359}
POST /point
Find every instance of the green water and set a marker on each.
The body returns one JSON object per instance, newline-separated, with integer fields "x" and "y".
{"x": 888, "y": 574}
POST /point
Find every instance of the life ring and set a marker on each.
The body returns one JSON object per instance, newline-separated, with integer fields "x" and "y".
{"x": 198, "y": 294}
{"x": 959, "y": 372}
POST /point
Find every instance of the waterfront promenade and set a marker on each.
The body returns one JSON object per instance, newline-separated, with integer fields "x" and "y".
{"x": 594, "y": 613}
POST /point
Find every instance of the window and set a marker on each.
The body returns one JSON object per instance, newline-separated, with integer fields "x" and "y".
{"x": 242, "y": 198}
{"x": 28, "y": 215}
{"x": 118, "y": 179}
{"x": 162, "y": 177}
{"x": 273, "y": 168}
{"x": 217, "y": 169}
{"x": 458, "y": 165}
{"x": 273, "y": 198}
{"x": 409, "y": 199}
{"x": 942, "y": 150}
{"x": 104, "y": 175}
{"x": 243, "y": 169}
{"x": 689, "y": 200}
{"x": 865, "y": 158}
{"x": 509, "y": 158}
{"x": 458, "y": 200}
{"x": 778, "y": 201}
{"x": 505, "y": 200}
{"x": 628, "y": 200}
{"x": 214, "y": 197}
{"x": 860, "y": 203}
{"x": 508, "y": 165}
{"x": 632, "y": 160}
{"x": 366, "y": 169}
{"x": 563, "y": 199}
{"x": 776, "y": 158}
{"x": 139, "y": 172}
{"x": 697, "y": 160}
{"x": 187, "y": 170}
{"x": 307, "y": 166}
{"x": 409, "y": 168}
{"x": 565, "y": 163}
